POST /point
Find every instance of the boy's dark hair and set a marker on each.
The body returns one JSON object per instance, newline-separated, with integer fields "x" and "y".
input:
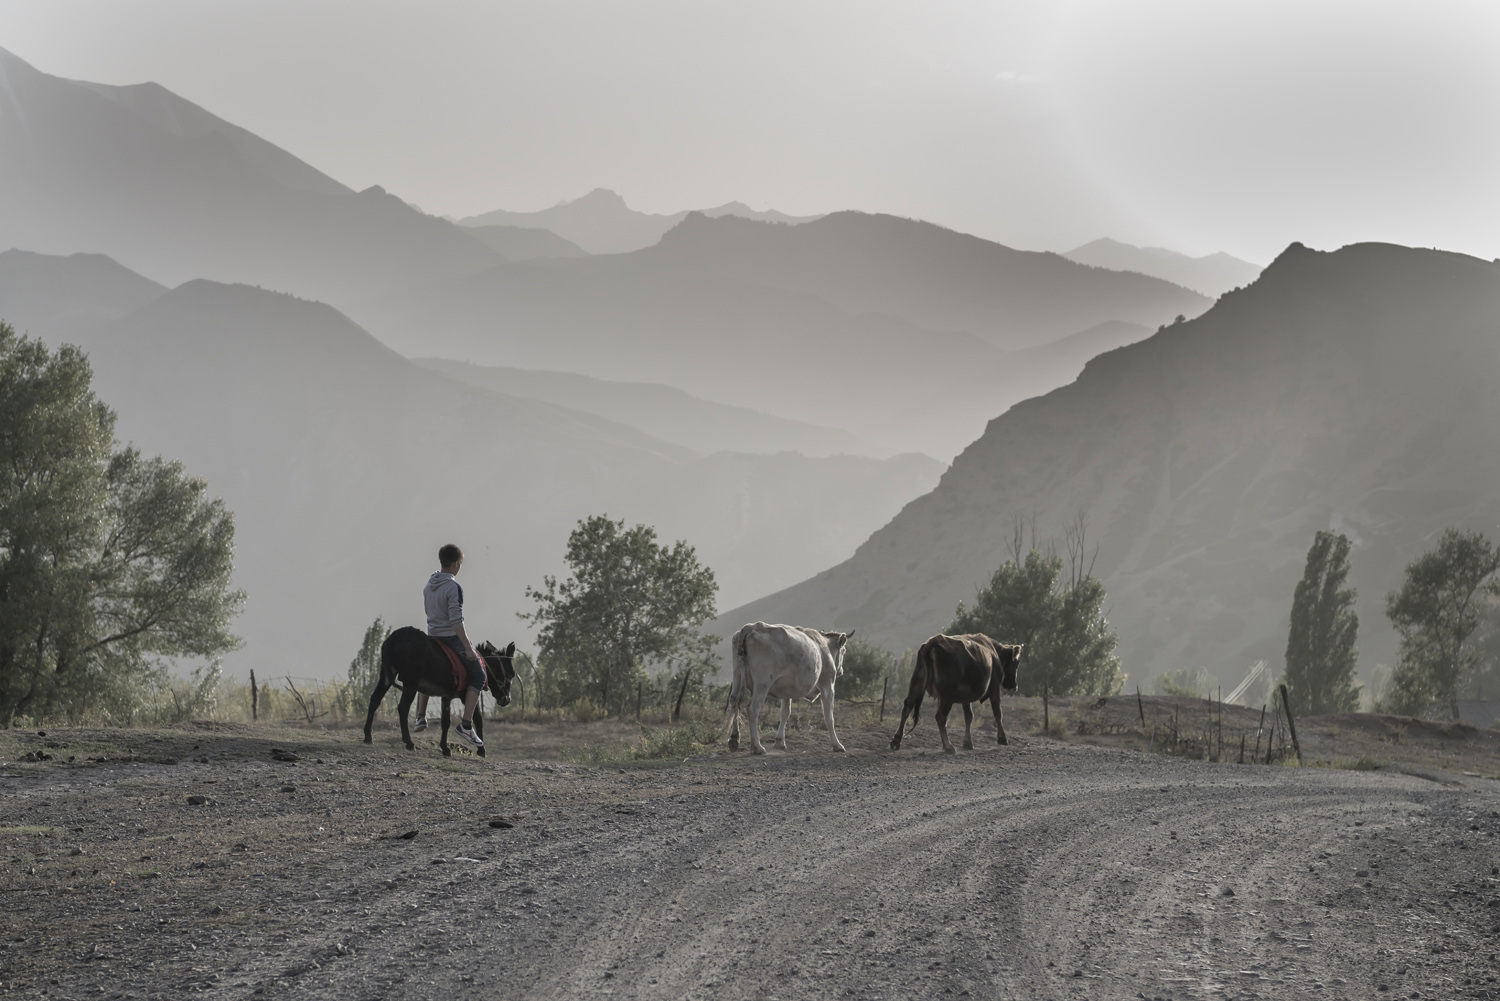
{"x": 449, "y": 555}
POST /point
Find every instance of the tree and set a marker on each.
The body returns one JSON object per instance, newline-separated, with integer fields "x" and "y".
{"x": 1320, "y": 657}
{"x": 629, "y": 602}
{"x": 109, "y": 563}
{"x": 1069, "y": 647}
{"x": 866, "y": 666}
{"x": 1191, "y": 682}
{"x": 1436, "y": 612}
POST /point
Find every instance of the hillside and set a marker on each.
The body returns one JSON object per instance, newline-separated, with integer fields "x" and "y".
{"x": 661, "y": 411}
{"x": 174, "y": 192}
{"x": 63, "y": 295}
{"x": 933, "y": 277}
{"x": 515, "y": 243}
{"x": 1212, "y": 274}
{"x": 829, "y": 323}
{"x": 601, "y": 222}
{"x": 346, "y": 464}
{"x": 1357, "y": 389}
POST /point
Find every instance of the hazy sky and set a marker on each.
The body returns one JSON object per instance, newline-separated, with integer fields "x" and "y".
{"x": 1202, "y": 126}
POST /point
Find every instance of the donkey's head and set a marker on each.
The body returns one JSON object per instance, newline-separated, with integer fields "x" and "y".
{"x": 499, "y": 669}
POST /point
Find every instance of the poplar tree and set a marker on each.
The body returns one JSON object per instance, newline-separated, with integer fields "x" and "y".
{"x": 1320, "y": 654}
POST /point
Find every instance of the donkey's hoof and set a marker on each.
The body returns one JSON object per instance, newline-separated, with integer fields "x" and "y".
{"x": 1002, "y": 740}
{"x": 410, "y": 746}
{"x": 447, "y": 752}
{"x": 896, "y": 744}
{"x": 367, "y": 740}
{"x": 479, "y": 751}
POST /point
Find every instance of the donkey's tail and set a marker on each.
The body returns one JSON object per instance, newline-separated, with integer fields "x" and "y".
{"x": 388, "y": 670}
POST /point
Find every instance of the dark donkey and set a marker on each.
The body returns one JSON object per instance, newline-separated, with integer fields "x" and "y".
{"x": 968, "y": 668}
{"x": 414, "y": 662}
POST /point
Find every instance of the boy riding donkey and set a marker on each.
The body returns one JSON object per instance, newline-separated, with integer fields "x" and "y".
{"x": 445, "y": 623}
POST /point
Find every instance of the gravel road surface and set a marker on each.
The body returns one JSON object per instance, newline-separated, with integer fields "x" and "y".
{"x": 1037, "y": 870}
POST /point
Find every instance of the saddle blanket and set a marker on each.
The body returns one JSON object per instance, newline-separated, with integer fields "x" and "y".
{"x": 460, "y": 673}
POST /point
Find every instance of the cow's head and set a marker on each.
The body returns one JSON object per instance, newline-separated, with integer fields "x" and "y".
{"x": 1010, "y": 658}
{"x": 836, "y": 644}
{"x": 499, "y": 668}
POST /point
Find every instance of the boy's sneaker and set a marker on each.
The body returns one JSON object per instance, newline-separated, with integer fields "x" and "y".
{"x": 419, "y": 725}
{"x": 467, "y": 733}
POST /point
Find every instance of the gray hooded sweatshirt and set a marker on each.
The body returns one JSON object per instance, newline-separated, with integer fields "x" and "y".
{"x": 445, "y": 605}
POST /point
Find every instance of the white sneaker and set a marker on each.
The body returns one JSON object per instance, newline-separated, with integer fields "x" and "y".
{"x": 467, "y": 733}
{"x": 419, "y": 725}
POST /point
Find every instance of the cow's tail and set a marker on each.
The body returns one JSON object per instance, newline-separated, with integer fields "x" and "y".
{"x": 739, "y": 677}
{"x": 923, "y": 680}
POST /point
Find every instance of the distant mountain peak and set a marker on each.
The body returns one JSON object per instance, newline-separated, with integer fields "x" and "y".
{"x": 1212, "y": 275}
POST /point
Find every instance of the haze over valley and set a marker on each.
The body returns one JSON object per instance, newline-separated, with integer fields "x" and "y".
{"x": 844, "y": 403}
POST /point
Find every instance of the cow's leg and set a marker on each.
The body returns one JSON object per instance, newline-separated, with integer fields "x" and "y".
{"x": 734, "y": 730}
{"x": 828, "y": 717}
{"x": 968, "y": 725}
{"x": 786, "y": 714}
{"x": 447, "y": 717}
{"x": 944, "y": 707}
{"x": 912, "y": 707}
{"x": 376, "y": 697}
{"x": 999, "y": 726}
{"x": 407, "y": 697}
{"x": 756, "y": 701}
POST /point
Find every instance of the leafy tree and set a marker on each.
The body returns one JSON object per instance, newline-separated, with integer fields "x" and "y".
{"x": 109, "y": 563}
{"x": 364, "y": 669}
{"x": 1436, "y": 612}
{"x": 865, "y": 668}
{"x": 1192, "y": 682}
{"x": 629, "y": 602}
{"x": 1320, "y": 656}
{"x": 1069, "y": 647}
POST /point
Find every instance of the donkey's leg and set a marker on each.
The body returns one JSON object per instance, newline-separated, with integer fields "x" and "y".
{"x": 945, "y": 707}
{"x": 443, "y": 739}
{"x": 999, "y": 726}
{"x": 786, "y": 714}
{"x": 401, "y": 707}
{"x": 968, "y": 727}
{"x": 479, "y": 729}
{"x": 757, "y": 700}
{"x": 828, "y": 716}
{"x": 376, "y": 697}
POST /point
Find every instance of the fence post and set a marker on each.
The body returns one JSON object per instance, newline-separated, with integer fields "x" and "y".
{"x": 1140, "y": 706}
{"x": 1256, "y": 756}
{"x": 1046, "y": 719}
{"x": 637, "y": 700}
{"x": 1242, "y": 748}
{"x": 1286, "y": 707}
{"x": 885, "y": 683}
{"x": 677, "y": 712}
{"x": 254, "y": 697}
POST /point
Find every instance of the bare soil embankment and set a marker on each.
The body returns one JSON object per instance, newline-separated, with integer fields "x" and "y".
{"x": 1044, "y": 869}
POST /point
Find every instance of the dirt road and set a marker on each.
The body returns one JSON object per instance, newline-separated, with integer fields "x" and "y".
{"x": 1038, "y": 870}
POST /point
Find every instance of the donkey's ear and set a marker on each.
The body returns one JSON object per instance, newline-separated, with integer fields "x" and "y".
{"x": 510, "y": 651}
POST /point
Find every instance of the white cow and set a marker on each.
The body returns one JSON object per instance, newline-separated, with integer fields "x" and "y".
{"x": 786, "y": 663}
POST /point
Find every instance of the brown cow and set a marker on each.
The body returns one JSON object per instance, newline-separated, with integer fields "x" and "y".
{"x": 968, "y": 668}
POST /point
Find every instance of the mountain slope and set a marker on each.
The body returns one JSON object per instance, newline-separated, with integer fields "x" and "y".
{"x": 602, "y": 223}
{"x": 346, "y": 465}
{"x": 1212, "y": 275}
{"x": 829, "y": 323}
{"x": 660, "y": 411}
{"x": 515, "y": 243}
{"x": 933, "y": 277}
{"x": 1358, "y": 389}
{"x": 159, "y": 183}
{"x": 65, "y": 295}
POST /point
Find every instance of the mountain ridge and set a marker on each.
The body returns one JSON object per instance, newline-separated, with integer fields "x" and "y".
{"x": 1354, "y": 389}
